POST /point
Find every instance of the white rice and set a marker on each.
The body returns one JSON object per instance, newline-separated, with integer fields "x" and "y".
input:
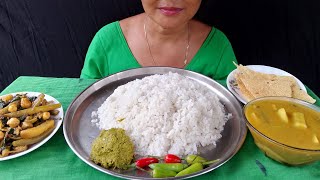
{"x": 164, "y": 114}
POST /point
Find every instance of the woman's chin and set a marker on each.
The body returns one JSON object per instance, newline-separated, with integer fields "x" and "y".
{"x": 171, "y": 23}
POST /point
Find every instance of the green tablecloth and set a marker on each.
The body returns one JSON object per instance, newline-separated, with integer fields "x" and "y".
{"x": 55, "y": 160}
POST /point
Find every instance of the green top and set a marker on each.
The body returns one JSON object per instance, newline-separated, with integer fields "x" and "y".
{"x": 109, "y": 53}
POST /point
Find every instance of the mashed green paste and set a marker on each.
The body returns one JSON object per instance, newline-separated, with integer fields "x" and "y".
{"x": 112, "y": 149}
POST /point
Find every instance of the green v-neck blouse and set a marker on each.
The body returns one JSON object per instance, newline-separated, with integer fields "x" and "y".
{"x": 109, "y": 53}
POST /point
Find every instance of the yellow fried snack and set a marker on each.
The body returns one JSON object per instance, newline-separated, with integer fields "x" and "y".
{"x": 38, "y": 130}
{"x": 259, "y": 88}
{"x": 247, "y": 94}
{"x": 301, "y": 94}
{"x": 254, "y": 84}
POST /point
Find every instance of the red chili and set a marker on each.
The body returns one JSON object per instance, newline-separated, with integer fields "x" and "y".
{"x": 143, "y": 162}
{"x": 171, "y": 158}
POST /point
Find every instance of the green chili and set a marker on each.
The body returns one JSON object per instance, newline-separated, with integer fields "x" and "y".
{"x": 191, "y": 159}
{"x": 176, "y": 167}
{"x": 162, "y": 173}
{"x": 191, "y": 169}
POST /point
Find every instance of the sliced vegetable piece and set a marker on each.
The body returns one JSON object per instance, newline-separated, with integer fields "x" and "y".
{"x": 256, "y": 118}
{"x": 162, "y": 173}
{"x": 7, "y": 98}
{"x": 36, "y": 131}
{"x": 5, "y": 152}
{"x": 6, "y": 109}
{"x": 176, "y": 167}
{"x": 191, "y": 169}
{"x": 35, "y": 110}
{"x": 298, "y": 120}
{"x": 283, "y": 115}
{"x": 38, "y": 101}
{"x": 315, "y": 139}
{"x": 26, "y": 125}
{"x": 19, "y": 149}
{"x": 191, "y": 159}
{"x": 24, "y": 142}
{"x": 54, "y": 112}
{"x": 33, "y": 120}
{"x": 1, "y": 135}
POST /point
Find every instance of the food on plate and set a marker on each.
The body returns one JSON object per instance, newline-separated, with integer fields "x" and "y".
{"x": 112, "y": 149}
{"x": 162, "y": 173}
{"x": 171, "y": 158}
{"x": 254, "y": 84}
{"x": 24, "y": 122}
{"x": 31, "y": 111}
{"x": 192, "y": 158}
{"x": 24, "y": 142}
{"x": 191, "y": 169}
{"x": 176, "y": 167}
{"x": 163, "y": 169}
{"x": 144, "y": 162}
{"x": 286, "y": 122}
{"x": 162, "y": 114}
{"x": 38, "y": 130}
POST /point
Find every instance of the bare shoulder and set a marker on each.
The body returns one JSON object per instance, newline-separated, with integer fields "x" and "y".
{"x": 199, "y": 29}
{"x": 130, "y": 24}
{"x": 199, "y": 33}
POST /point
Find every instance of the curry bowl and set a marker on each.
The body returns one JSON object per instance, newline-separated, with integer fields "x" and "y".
{"x": 285, "y": 129}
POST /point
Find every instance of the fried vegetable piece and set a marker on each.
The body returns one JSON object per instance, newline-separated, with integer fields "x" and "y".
{"x": 36, "y": 131}
{"x": 35, "y": 110}
{"x": 7, "y": 152}
{"x": 24, "y": 142}
{"x": 25, "y": 103}
{"x": 33, "y": 120}
{"x": 191, "y": 169}
{"x": 13, "y": 122}
{"x": 38, "y": 101}
{"x": 54, "y": 112}
{"x": 26, "y": 125}
{"x": 7, "y": 98}
{"x": 6, "y": 109}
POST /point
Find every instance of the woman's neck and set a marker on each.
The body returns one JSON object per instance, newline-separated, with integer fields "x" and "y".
{"x": 159, "y": 33}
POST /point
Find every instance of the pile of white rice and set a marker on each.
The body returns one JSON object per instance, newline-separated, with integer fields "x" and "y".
{"x": 164, "y": 114}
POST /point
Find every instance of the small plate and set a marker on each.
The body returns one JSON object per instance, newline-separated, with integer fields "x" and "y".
{"x": 232, "y": 85}
{"x": 58, "y": 121}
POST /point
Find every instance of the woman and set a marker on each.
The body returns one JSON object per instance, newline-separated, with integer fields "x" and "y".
{"x": 164, "y": 35}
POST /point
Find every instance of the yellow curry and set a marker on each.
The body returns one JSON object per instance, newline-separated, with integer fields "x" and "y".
{"x": 286, "y": 122}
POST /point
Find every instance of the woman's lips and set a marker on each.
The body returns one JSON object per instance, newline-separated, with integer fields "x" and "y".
{"x": 170, "y": 11}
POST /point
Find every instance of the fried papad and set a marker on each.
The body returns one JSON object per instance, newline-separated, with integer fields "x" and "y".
{"x": 259, "y": 88}
{"x": 254, "y": 84}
